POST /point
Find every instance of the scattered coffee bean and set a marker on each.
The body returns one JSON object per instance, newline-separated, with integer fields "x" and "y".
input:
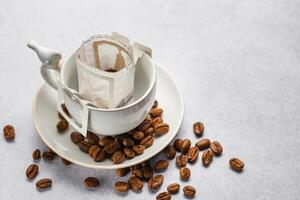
{"x": 36, "y": 154}
{"x": 85, "y": 146}
{"x": 118, "y": 157}
{"x": 147, "y": 171}
{"x": 106, "y": 140}
{"x": 186, "y": 144}
{"x": 111, "y": 147}
{"x": 161, "y": 129}
{"x": 156, "y": 121}
{"x": 76, "y": 137}
{"x": 192, "y": 154}
{"x": 91, "y": 182}
{"x": 129, "y": 153}
{"x": 156, "y": 112}
{"x": 161, "y": 165}
{"x": 62, "y": 125}
{"x": 48, "y": 155}
{"x": 92, "y": 138}
{"x": 137, "y": 173}
{"x": 198, "y": 129}
{"x": 9, "y": 132}
{"x": 163, "y": 196}
{"x": 181, "y": 160}
{"x": 216, "y": 148}
{"x": 173, "y": 188}
{"x": 121, "y": 186}
{"x": 236, "y": 164}
{"x": 155, "y": 104}
{"x": 185, "y": 173}
{"x": 135, "y": 184}
{"x": 207, "y": 157}
{"x": 170, "y": 152}
{"x": 66, "y": 162}
{"x": 178, "y": 144}
{"x": 203, "y": 144}
{"x": 31, "y": 171}
{"x": 138, "y": 135}
{"x": 155, "y": 182}
{"x": 138, "y": 149}
{"x": 44, "y": 183}
{"x": 147, "y": 141}
{"x": 127, "y": 142}
{"x": 189, "y": 191}
{"x": 122, "y": 171}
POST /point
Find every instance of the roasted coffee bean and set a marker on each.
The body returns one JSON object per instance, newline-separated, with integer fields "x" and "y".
{"x": 186, "y": 144}
{"x": 111, "y": 147}
{"x": 198, "y": 129}
{"x": 147, "y": 141}
{"x": 85, "y": 146}
{"x": 66, "y": 162}
{"x": 106, "y": 140}
{"x": 31, "y": 171}
{"x": 185, "y": 173}
{"x": 9, "y": 132}
{"x": 192, "y": 154}
{"x": 135, "y": 184}
{"x": 91, "y": 182}
{"x": 121, "y": 186}
{"x": 163, "y": 196}
{"x": 36, "y": 154}
{"x": 207, "y": 157}
{"x": 62, "y": 125}
{"x": 127, "y": 142}
{"x": 97, "y": 153}
{"x": 92, "y": 138}
{"x": 138, "y": 149}
{"x": 170, "y": 152}
{"x": 137, "y": 173}
{"x": 147, "y": 171}
{"x": 156, "y": 121}
{"x": 181, "y": 160}
{"x": 129, "y": 153}
{"x": 173, "y": 188}
{"x": 145, "y": 125}
{"x": 155, "y": 182}
{"x": 138, "y": 166}
{"x": 118, "y": 157}
{"x": 216, "y": 148}
{"x": 189, "y": 191}
{"x": 93, "y": 149}
{"x": 149, "y": 131}
{"x": 178, "y": 144}
{"x": 49, "y": 155}
{"x": 44, "y": 183}
{"x": 155, "y": 104}
{"x": 161, "y": 129}
{"x": 138, "y": 135}
{"x": 236, "y": 164}
{"x": 156, "y": 112}
{"x": 161, "y": 165}
{"x": 76, "y": 137}
{"x": 122, "y": 171}
{"x": 203, "y": 144}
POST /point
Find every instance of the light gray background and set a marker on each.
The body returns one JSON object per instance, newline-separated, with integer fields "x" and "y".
{"x": 236, "y": 61}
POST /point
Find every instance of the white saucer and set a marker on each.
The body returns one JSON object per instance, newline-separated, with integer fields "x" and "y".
{"x": 45, "y": 118}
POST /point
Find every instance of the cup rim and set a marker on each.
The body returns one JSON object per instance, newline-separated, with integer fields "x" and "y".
{"x": 152, "y": 84}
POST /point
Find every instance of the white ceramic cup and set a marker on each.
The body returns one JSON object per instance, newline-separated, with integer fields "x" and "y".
{"x": 83, "y": 115}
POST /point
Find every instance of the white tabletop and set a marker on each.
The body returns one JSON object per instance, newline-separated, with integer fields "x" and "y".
{"x": 237, "y": 63}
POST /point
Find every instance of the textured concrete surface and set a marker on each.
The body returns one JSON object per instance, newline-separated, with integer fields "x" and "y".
{"x": 236, "y": 61}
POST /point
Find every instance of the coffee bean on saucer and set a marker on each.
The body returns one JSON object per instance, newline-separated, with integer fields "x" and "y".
{"x": 170, "y": 152}
{"x": 147, "y": 141}
{"x": 189, "y": 191}
{"x": 106, "y": 140}
{"x": 121, "y": 186}
{"x": 216, "y": 148}
{"x": 127, "y": 142}
{"x": 129, "y": 153}
{"x": 97, "y": 153}
{"x": 178, "y": 144}
{"x": 149, "y": 131}
{"x": 91, "y": 182}
{"x": 76, "y": 137}
{"x": 156, "y": 121}
{"x": 122, "y": 171}
{"x": 236, "y": 164}
{"x": 138, "y": 135}
{"x": 186, "y": 144}
{"x": 62, "y": 125}
{"x": 198, "y": 129}
{"x": 9, "y": 132}
{"x": 144, "y": 125}
{"x": 36, "y": 154}
{"x": 85, "y": 146}
{"x": 192, "y": 154}
{"x": 161, "y": 165}
{"x": 31, "y": 171}
{"x": 111, "y": 148}
{"x": 161, "y": 129}
{"x": 155, "y": 182}
{"x": 66, "y": 162}
{"x": 135, "y": 184}
{"x": 156, "y": 112}
{"x": 163, "y": 196}
{"x": 138, "y": 149}
{"x": 181, "y": 160}
{"x": 44, "y": 183}
{"x": 185, "y": 173}
{"x": 203, "y": 144}
{"x": 207, "y": 157}
{"x": 48, "y": 155}
{"x": 173, "y": 188}
{"x": 118, "y": 157}
{"x": 92, "y": 138}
